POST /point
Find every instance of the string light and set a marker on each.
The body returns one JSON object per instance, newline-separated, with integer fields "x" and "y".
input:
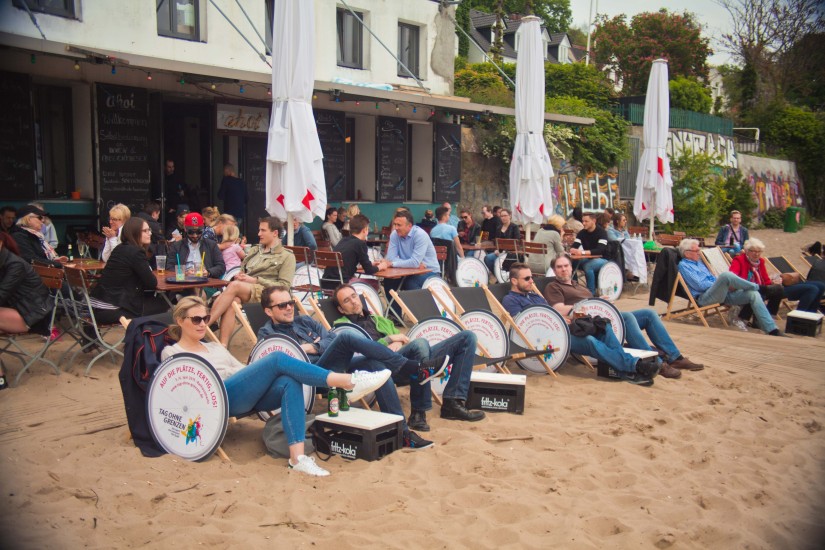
{"x": 314, "y": 96}
{"x": 432, "y": 112}
{"x": 182, "y": 81}
{"x": 149, "y": 75}
{"x": 76, "y": 66}
{"x": 397, "y": 108}
{"x": 213, "y": 86}
{"x": 357, "y": 103}
{"x": 376, "y": 105}
{"x": 33, "y": 59}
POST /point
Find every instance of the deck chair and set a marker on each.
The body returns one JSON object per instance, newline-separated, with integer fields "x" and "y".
{"x": 83, "y": 319}
{"x": 783, "y": 265}
{"x": 469, "y": 298}
{"x": 52, "y": 277}
{"x": 667, "y": 271}
{"x": 716, "y": 260}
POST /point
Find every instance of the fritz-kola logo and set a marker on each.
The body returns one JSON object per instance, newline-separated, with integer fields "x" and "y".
{"x": 345, "y": 450}
{"x": 493, "y": 403}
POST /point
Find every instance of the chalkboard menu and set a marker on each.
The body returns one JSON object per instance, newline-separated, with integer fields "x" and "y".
{"x": 447, "y": 161}
{"x": 332, "y": 135}
{"x": 254, "y": 174}
{"x": 123, "y": 146}
{"x": 391, "y": 159}
{"x": 16, "y": 138}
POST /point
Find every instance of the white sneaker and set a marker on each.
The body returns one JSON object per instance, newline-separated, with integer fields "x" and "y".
{"x": 366, "y": 382}
{"x": 306, "y": 464}
{"x": 733, "y": 313}
{"x": 739, "y": 323}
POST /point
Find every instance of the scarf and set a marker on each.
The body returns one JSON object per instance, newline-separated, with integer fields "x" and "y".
{"x": 754, "y": 273}
{"x": 47, "y": 248}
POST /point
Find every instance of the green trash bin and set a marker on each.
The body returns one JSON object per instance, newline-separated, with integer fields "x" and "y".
{"x": 793, "y": 217}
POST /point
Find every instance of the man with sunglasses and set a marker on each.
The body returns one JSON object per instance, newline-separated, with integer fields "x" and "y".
{"x": 461, "y": 348}
{"x": 604, "y": 346}
{"x": 335, "y": 351}
{"x": 468, "y": 229}
{"x": 192, "y": 249}
{"x": 563, "y": 293}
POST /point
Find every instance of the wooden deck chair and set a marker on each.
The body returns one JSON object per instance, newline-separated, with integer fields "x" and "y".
{"x": 52, "y": 278}
{"x": 680, "y": 288}
{"x": 715, "y": 259}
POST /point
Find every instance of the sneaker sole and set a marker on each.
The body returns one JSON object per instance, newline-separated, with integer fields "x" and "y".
{"x": 439, "y": 372}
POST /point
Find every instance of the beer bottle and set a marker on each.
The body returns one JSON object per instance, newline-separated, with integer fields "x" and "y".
{"x": 332, "y": 402}
{"x": 343, "y": 402}
{"x": 71, "y": 258}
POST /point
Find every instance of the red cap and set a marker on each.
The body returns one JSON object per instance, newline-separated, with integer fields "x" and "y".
{"x": 193, "y": 219}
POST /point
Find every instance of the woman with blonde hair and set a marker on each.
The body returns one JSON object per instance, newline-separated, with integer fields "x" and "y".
{"x": 211, "y": 215}
{"x": 352, "y": 211}
{"x": 549, "y": 234}
{"x": 31, "y": 243}
{"x": 119, "y": 214}
{"x": 267, "y": 384}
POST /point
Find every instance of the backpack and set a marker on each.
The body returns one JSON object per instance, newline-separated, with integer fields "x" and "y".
{"x": 145, "y": 339}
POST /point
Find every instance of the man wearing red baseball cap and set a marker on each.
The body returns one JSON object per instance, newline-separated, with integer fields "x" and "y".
{"x": 191, "y": 249}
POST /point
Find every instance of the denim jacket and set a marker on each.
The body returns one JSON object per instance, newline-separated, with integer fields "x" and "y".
{"x": 307, "y": 329}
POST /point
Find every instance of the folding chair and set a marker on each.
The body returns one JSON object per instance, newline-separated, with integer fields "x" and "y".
{"x": 83, "y": 318}
{"x": 715, "y": 259}
{"x": 783, "y": 265}
{"x": 52, "y": 277}
{"x": 693, "y": 308}
{"x": 532, "y": 248}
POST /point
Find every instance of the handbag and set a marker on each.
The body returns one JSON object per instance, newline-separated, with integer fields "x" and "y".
{"x": 790, "y": 279}
{"x": 275, "y": 438}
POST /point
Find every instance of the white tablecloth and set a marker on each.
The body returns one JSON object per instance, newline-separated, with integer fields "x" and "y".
{"x": 634, "y": 258}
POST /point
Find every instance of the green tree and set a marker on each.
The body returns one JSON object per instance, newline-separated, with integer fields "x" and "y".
{"x": 556, "y": 14}
{"x": 690, "y": 95}
{"x": 482, "y": 83}
{"x": 578, "y": 80}
{"x": 698, "y": 193}
{"x": 578, "y": 36}
{"x": 629, "y": 50}
{"x": 738, "y": 196}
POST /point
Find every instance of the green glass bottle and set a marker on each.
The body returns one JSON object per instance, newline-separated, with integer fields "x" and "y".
{"x": 332, "y": 402}
{"x": 343, "y": 402}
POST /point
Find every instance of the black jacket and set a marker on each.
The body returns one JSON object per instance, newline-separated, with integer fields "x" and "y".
{"x": 124, "y": 279}
{"x": 353, "y": 253}
{"x": 22, "y": 289}
{"x": 30, "y": 247}
{"x": 157, "y": 233}
{"x": 595, "y": 241}
{"x": 664, "y": 276}
{"x": 212, "y": 259}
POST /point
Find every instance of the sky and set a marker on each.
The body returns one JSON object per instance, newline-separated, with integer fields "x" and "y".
{"x": 714, "y": 19}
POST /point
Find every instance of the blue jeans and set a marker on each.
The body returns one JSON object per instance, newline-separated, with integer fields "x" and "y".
{"x": 591, "y": 270}
{"x": 808, "y": 293}
{"x": 744, "y": 292}
{"x": 646, "y": 319}
{"x": 411, "y": 282}
{"x": 490, "y": 261}
{"x": 606, "y": 348}
{"x": 275, "y": 382}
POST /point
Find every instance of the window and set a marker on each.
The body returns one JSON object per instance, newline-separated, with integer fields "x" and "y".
{"x": 407, "y": 49}
{"x": 62, "y": 8}
{"x": 54, "y": 167}
{"x": 564, "y": 53}
{"x": 350, "y": 40}
{"x": 178, "y": 19}
{"x": 270, "y": 15}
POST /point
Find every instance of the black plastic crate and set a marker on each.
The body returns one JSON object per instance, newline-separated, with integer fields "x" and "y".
{"x": 495, "y": 392}
{"x": 357, "y": 433}
{"x": 804, "y": 323}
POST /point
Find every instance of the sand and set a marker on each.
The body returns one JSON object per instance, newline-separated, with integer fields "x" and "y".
{"x": 729, "y": 457}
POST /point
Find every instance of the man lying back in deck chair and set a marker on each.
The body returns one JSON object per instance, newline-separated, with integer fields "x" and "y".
{"x": 726, "y": 289}
{"x": 460, "y": 348}
{"x": 563, "y": 293}
{"x": 603, "y": 345}
{"x": 336, "y": 351}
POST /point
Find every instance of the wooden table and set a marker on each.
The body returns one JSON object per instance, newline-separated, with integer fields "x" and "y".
{"x": 397, "y": 273}
{"x": 486, "y": 245}
{"x": 164, "y": 287}
{"x": 86, "y": 264}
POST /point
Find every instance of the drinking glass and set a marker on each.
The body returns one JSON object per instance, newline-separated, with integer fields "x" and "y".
{"x": 161, "y": 263}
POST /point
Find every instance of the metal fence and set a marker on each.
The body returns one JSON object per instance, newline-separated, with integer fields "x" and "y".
{"x": 628, "y": 169}
{"x": 679, "y": 118}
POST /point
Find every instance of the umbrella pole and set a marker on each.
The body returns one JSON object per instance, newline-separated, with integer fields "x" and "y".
{"x": 652, "y": 213}
{"x": 290, "y": 231}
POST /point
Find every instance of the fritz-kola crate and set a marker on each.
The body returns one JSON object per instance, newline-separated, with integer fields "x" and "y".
{"x": 357, "y": 433}
{"x": 494, "y": 392}
{"x": 805, "y": 323}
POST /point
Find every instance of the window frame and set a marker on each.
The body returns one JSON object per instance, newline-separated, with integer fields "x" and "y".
{"x": 412, "y": 30}
{"x": 194, "y": 37}
{"x": 36, "y": 6}
{"x": 358, "y": 29}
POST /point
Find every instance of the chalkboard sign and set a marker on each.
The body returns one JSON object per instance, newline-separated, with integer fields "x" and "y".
{"x": 254, "y": 174}
{"x": 16, "y": 138}
{"x": 391, "y": 159}
{"x": 123, "y": 147}
{"x": 447, "y": 161}
{"x": 332, "y": 135}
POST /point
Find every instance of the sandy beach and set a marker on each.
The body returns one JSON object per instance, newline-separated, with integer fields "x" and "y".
{"x": 729, "y": 457}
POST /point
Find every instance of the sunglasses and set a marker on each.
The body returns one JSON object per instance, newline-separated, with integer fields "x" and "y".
{"x": 38, "y": 216}
{"x": 528, "y": 278}
{"x": 283, "y": 305}
{"x": 197, "y": 319}
{"x": 194, "y": 231}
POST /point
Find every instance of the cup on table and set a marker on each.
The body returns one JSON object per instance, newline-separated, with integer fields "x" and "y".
{"x": 199, "y": 269}
{"x": 161, "y": 263}
{"x": 180, "y": 275}
{"x": 190, "y": 268}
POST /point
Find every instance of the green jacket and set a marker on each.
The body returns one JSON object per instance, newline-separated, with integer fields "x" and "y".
{"x": 270, "y": 268}
{"x": 382, "y": 325}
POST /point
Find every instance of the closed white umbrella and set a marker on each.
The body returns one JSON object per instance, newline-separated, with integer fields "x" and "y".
{"x": 530, "y": 169}
{"x": 295, "y": 186}
{"x": 654, "y": 186}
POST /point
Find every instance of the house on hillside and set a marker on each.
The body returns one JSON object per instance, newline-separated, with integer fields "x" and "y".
{"x": 557, "y": 46}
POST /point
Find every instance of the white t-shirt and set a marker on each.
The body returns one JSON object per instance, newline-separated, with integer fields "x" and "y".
{"x": 217, "y": 356}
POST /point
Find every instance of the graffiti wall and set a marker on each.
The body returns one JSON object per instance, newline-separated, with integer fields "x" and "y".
{"x": 591, "y": 191}
{"x": 774, "y": 182}
{"x": 711, "y": 144}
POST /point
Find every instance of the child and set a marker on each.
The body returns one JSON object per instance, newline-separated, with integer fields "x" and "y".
{"x": 232, "y": 254}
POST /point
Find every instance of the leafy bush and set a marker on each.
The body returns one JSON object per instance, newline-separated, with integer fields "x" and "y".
{"x": 578, "y": 80}
{"x": 738, "y": 196}
{"x": 483, "y": 87}
{"x": 774, "y": 218}
{"x": 499, "y": 138}
{"x": 698, "y": 193}
{"x": 690, "y": 95}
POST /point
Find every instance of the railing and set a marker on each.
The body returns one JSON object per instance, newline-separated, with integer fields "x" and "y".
{"x": 679, "y": 118}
